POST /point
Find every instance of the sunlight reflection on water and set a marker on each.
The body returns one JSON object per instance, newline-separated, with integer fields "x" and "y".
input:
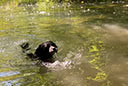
{"x": 10, "y": 73}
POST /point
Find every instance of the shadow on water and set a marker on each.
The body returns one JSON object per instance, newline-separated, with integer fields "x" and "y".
{"x": 92, "y": 43}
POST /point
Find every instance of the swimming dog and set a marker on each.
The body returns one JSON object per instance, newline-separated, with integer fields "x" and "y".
{"x": 44, "y": 51}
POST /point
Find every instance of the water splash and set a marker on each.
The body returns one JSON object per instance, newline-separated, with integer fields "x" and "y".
{"x": 68, "y": 63}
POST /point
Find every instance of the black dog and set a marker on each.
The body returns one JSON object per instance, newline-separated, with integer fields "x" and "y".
{"x": 44, "y": 52}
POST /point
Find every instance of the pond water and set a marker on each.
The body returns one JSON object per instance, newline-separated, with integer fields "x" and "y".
{"x": 93, "y": 37}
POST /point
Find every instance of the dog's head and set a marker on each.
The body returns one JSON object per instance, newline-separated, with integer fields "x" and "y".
{"x": 51, "y": 47}
{"x": 46, "y": 50}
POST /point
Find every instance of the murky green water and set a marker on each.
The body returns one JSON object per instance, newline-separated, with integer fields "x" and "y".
{"x": 94, "y": 37}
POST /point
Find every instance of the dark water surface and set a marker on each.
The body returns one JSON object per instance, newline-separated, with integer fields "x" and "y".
{"x": 94, "y": 38}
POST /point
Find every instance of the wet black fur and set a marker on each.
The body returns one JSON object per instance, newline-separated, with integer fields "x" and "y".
{"x": 42, "y": 51}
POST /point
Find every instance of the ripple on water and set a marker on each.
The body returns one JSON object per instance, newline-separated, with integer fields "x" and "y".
{"x": 9, "y": 78}
{"x": 10, "y": 83}
{"x": 10, "y": 73}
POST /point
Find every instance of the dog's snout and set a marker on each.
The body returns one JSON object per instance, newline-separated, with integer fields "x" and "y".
{"x": 55, "y": 49}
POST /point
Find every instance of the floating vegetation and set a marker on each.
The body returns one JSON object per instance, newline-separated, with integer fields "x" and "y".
{"x": 96, "y": 57}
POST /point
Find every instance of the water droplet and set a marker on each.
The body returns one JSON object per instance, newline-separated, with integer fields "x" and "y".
{"x": 48, "y": 14}
{"x": 53, "y": 7}
{"x": 84, "y": 11}
{"x": 125, "y": 5}
{"x": 114, "y": 12}
{"x": 112, "y": 1}
{"x": 81, "y": 7}
{"x": 88, "y": 9}
{"x": 70, "y": 11}
{"x": 42, "y": 12}
{"x": 58, "y": 5}
{"x": 68, "y": 14}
